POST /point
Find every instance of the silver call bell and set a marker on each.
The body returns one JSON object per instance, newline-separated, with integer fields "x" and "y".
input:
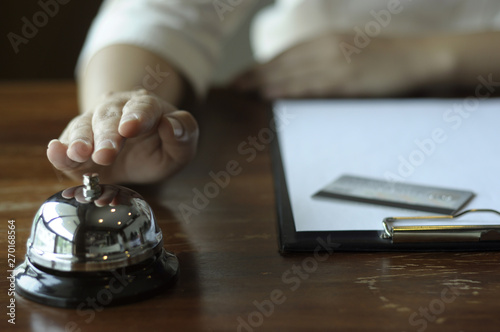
{"x": 95, "y": 240}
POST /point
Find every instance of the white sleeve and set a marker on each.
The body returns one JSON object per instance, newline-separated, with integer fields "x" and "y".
{"x": 289, "y": 22}
{"x": 187, "y": 33}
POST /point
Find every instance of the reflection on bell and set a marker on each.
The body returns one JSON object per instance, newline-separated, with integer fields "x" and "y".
{"x": 97, "y": 242}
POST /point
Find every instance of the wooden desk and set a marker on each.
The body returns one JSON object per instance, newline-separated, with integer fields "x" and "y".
{"x": 232, "y": 276}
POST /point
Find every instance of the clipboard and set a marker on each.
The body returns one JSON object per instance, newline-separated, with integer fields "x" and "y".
{"x": 390, "y": 235}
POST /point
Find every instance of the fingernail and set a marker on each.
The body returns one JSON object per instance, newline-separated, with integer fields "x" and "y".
{"x": 106, "y": 144}
{"x": 81, "y": 140}
{"x": 52, "y": 141}
{"x": 78, "y": 153}
{"x": 128, "y": 117}
{"x": 177, "y": 127}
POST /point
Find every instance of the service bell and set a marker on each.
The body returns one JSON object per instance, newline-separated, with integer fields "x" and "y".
{"x": 94, "y": 241}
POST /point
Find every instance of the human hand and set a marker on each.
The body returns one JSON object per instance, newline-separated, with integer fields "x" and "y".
{"x": 130, "y": 137}
{"x": 322, "y": 68}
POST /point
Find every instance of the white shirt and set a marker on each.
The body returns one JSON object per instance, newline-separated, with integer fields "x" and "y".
{"x": 189, "y": 33}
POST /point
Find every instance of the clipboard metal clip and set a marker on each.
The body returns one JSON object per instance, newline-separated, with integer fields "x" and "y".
{"x": 440, "y": 232}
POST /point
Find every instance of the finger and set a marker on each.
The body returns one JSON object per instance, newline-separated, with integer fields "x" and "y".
{"x": 57, "y": 155}
{"x": 79, "y": 138}
{"x": 80, "y": 196}
{"x": 293, "y": 83}
{"x": 318, "y": 55}
{"x": 69, "y": 193}
{"x": 286, "y": 63}
{"x": 107, "y": 196}
{"x": 141, "y": 114}
{"x": 316, "y": 81}
{"x": 179, "y": 135}
{"x": 264, "y": 74}
{"x": 272, "y": 82}
{"x": 107, "y": 140}
{"x": 272, "y": 71}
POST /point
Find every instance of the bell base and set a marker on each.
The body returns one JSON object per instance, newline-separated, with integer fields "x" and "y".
{"x": 95, "y": 290}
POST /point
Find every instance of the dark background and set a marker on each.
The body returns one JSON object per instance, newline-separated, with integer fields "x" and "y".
{"x": 51, "y": 53}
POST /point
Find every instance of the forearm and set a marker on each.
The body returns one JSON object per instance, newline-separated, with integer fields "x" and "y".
{"x": 465, "y": 57}
{"x": 125, "y": 68}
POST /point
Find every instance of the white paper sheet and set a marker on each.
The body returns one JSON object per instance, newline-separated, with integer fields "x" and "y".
{"x": 453, "y": 143}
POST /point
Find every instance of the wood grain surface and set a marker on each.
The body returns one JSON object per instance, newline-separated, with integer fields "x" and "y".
{"x": 232, "y": 276}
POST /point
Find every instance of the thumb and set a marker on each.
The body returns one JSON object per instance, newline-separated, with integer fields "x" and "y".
{"x": 179, "y": 134}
